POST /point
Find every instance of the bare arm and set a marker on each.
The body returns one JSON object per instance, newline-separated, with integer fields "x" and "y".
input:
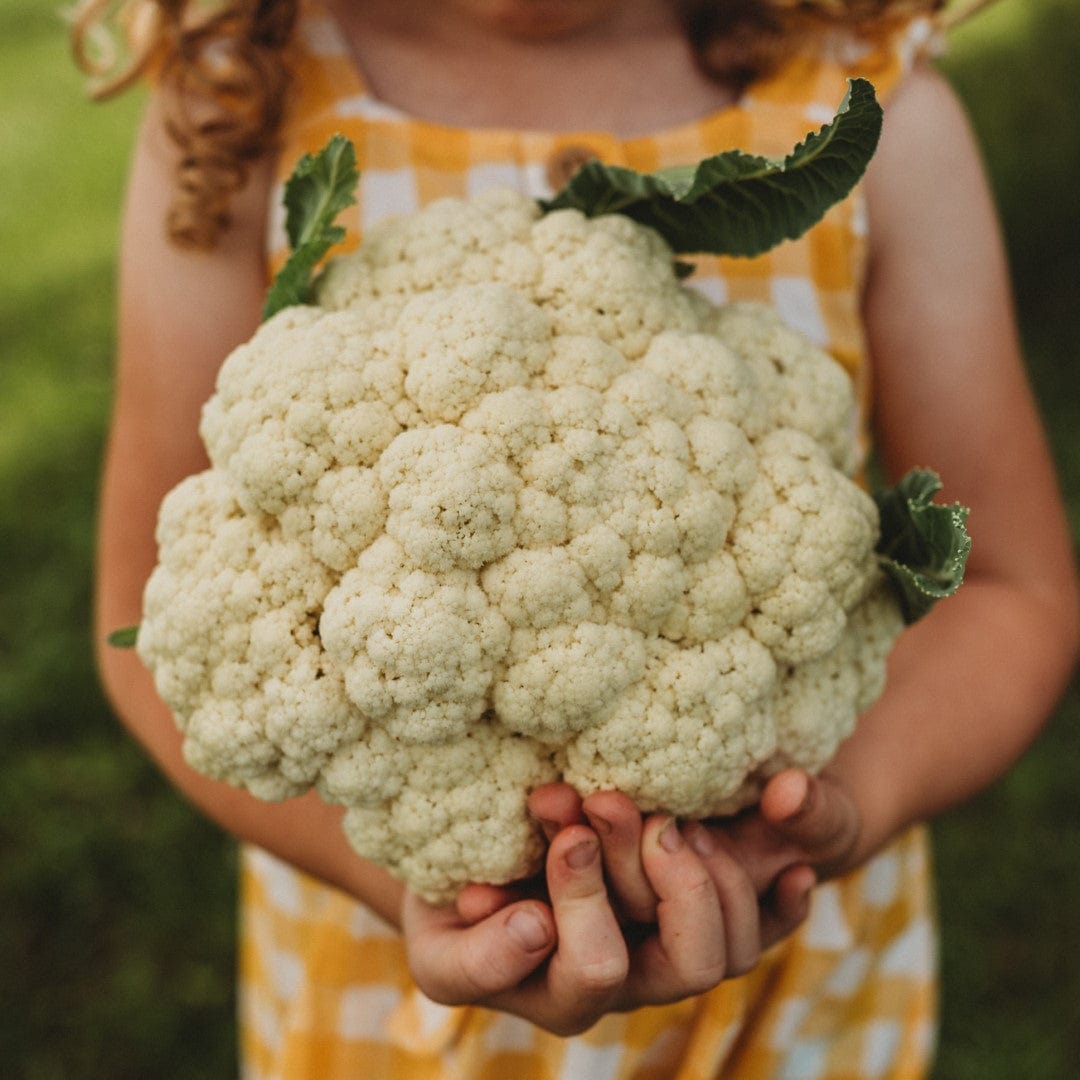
{"x": 180, "y": 314}
{"x": 971, "y": 685}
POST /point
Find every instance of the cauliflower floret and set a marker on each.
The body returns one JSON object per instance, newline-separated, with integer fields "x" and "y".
{"x": 688, "y": 733}
{"x": 229, "y": 629}
{"x": 539, "y": 587}
{"x": 300, "y": 444}
{"x": 449, "y": 242}
{"x": 441, "y": 815}
{"x": 452, "y": 500}
{"x": 463, "y": 343}
{"x": 562, "y": 679}
{"x": 804, "y": 542}
{"x": 345, "y": 511}
{"x": 805, "y": 388}
{"x": 714, "y": 601}
{"x": 513, "y": 504}
{"x": 722, "y": 383}
{"x": 418, "y": 650}
{"x": 817, "y": 703}
{"x": 327, "y": 402}
{"x": 608, "y": 278}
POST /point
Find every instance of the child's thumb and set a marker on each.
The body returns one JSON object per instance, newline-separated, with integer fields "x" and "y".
{"x": 457, "y": 964}
{"x": 816, "y": 815}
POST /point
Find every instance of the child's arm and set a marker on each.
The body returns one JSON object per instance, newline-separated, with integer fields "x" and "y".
{"x": 971, "y": 685}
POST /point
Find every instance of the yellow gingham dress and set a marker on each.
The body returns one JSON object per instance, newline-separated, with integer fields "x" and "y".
{"x": 325, "y": 989}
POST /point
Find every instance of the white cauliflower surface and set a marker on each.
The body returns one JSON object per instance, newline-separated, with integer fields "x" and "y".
{"x": 510, "y": 504}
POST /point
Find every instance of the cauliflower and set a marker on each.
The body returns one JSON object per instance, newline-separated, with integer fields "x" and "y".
{"x": 510, "y": 503}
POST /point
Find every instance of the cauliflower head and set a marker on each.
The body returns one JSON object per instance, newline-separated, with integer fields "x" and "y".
{"x": 511, "y": 503}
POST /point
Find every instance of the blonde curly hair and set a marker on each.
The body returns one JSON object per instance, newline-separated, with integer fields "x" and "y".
{"x": 221, "y": 65}
{"x": 221, "y": 69}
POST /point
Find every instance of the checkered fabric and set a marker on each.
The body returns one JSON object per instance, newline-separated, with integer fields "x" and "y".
{"x": 325, "y": 988}
{"x": 327, "y": 996}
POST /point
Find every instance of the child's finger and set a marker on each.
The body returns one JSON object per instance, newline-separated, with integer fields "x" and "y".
{"x": 812, "y": 813}
{"x": 591, "y": 962}
{"x": 476, "y": 902}
{"x": 555, "y": 806}
{"x": 688, "y": 955}
{"x": 738, "y": 895}
{"x": 617, "y": 822}
{"x": 456, "y": 964}
{"x": 788, "y": 904}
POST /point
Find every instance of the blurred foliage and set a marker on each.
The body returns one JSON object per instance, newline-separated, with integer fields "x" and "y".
{"x": 1008, "y": 863}
{"x": 117, "y": 941}
{"x": 1015, "y": 66}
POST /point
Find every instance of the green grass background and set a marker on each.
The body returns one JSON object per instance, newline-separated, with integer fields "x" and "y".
{"x": 117, "y": 900}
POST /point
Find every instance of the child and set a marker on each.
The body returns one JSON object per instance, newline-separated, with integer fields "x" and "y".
{"x": 796, "y": 940}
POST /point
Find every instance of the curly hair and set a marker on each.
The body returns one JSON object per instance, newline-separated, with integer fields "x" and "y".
{"x": 222, "y": 69}
{"x": 223, "y": 77}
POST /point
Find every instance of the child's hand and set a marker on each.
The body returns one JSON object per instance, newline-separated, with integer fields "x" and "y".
{"x": 565, "y": 965}
{"x": 805, "y": 829}
{"x": 764, "y": 863}
{"x": 620, "y": 825}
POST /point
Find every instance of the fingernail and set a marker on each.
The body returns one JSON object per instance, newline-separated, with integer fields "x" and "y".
{"x": 600, "y": 825}
{"x": 670, "y": 838}
{"x": 702, "y": 841}
{"x": 528, "y": 930}
{"x": 581, "y": 855}
{"x": 550, "y": 828}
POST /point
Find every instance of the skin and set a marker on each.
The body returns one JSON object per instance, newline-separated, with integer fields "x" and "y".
{"x": 635, "y": 911}
{"x": 554, "y": 64}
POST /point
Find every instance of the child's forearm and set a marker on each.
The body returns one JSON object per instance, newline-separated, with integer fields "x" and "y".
{"x": 969, "y": 688}
{"x": 971, "y": 685}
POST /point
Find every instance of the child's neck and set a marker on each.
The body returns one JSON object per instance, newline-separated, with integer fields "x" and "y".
{"x": 629, "y": 71}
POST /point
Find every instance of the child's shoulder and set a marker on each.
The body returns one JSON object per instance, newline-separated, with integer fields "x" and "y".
{"x": 813, "y": 72}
